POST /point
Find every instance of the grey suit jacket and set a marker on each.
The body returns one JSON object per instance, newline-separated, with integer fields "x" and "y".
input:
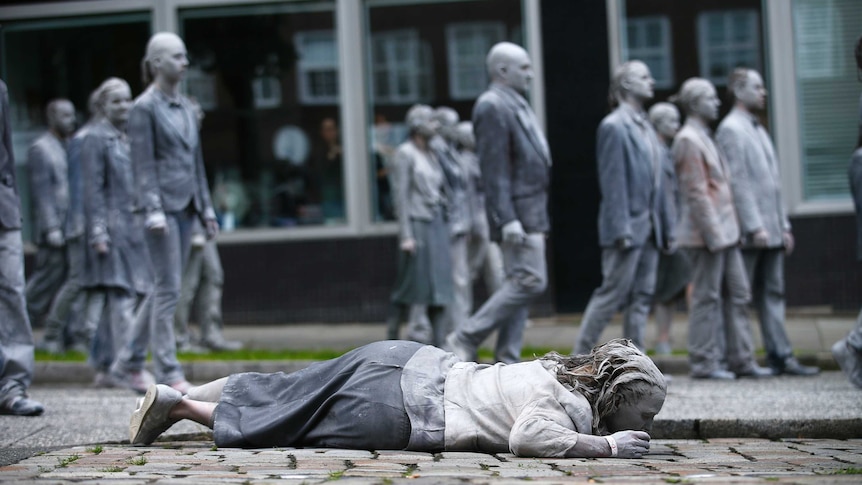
{"x": 707, "y": 215}
{"x": 167, "y": 159}
{"x": 48, "y": 171}
{"x": 628, "y": 155}
{"x": 515, "y": 161}
{"x": 109, "y": 213}
{"x": 755, "y": 181}
{"x": 10, "y": 204}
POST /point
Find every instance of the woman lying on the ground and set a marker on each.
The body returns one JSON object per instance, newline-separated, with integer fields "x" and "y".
{"x": 397, "y": 395}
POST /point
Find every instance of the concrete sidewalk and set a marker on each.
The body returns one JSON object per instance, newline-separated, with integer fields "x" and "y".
{"x": 811, "y": 334}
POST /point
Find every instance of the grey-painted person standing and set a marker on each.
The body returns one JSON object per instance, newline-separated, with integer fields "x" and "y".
{"x": 16, "y": 336}
{"x": 633, "y": 220}
{"x": 516, "y": 171}
{"x": 766, "y": 235}
{"x": 709, "y": 231}
{"x": 47, "y": 169}
{"x": 171, "y": 190}
{"x": 424, "y": 280}
{"x": 116, "y": 260}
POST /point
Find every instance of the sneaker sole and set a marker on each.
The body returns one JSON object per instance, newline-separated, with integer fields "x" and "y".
{"x": 145, "y": 404}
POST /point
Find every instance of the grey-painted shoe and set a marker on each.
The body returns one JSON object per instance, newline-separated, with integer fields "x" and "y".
{"x": 152, "y": 417}
{"x": 849, "y": 360}
{"x": 462, "y": 351}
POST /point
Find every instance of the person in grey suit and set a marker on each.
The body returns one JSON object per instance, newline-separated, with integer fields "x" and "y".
{"x": 47, "y": 169}
{"x": 72, "y": 297}
{"x": 116, "y": 261}
{"x": 709, "y": 231}
{"x": 766, "y": 235}
{"x": 633, "y": 223}
{"x": 424, "y": 281}
{"x": 171, "y": 189}
{"x": 16, "y": 336}
{"x": 516, "y": 167}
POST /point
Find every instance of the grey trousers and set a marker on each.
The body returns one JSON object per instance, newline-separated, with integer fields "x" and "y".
{"x": 507, "y": 309}
{"x": 719, "y": 300}
{"x": 154, "y": 323}
{"x": 16, "y": 336}
{"x": 765, "y": 270}
{"x": 458, "y": 311}
{"x": 202, "y": 282}
{"x": 44, "y": 282}
{"x": 628, "y": 283}
{"x": 70, "y": 293}
{"x": 113, "y": 330}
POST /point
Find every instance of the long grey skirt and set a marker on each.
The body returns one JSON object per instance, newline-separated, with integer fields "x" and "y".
{"x": 353, "y": 401}
{"x": 425, "y": 276}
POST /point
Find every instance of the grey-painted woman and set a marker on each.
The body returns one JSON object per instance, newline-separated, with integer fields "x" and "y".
{"x": 116, "y": 261}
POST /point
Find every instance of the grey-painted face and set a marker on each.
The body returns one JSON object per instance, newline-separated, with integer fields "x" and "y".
{"x": 118, "y": 102}
{"x": 639, "y": 82}
{"x": 518, "y": 70}
{"x": 636, "y": 414}
{"x": 706, "y": 106}
{"x": 668, "y": 125}
{"x": 172, "y": 60}
{"x": 752, "y": 94}
{"x": 62, "y": 118}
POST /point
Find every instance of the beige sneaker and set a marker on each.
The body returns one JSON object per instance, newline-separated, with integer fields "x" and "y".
{"x": 152, "y": 416}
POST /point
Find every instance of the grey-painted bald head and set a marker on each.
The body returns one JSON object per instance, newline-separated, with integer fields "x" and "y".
{"x": 665, "y": 118}
{"x": 159, "y": 46}
{"x": 509, "y": 64}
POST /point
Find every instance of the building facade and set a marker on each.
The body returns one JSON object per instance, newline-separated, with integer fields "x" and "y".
{"x": 305, "y": 100}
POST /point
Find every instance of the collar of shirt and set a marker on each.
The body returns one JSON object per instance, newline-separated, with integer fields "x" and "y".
{"x": 164, "y": 98}
{"x": 511, "y": 95}
{"x": 698, "y": 125}
{"x": 747, "y": 115}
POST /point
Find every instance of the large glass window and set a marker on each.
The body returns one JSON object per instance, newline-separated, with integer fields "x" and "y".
{"x": 727, "y": 39}
{"x": 423, "y": 52}
{"x": 648, "y": 39}
{"x": 267, "y": 77}
{"x": 64, "y": 58}
{"x": 825, "y": 34}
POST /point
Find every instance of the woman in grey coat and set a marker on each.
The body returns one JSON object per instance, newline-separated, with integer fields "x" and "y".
{"x": 424, "y": 282}
{"x": 116, "y": 262}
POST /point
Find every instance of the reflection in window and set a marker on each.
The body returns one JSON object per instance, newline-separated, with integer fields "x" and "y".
{"x": 270, "y": 137}
{"x": 468, "y": 45}
{"x": 426, "y": 52}
{"x": 727, "y": 39}
{"x": 402, "y": 71}
{"x": 68, "y": 57}
{"x": 648, "y": 39}
{"x": 317, "y": 69}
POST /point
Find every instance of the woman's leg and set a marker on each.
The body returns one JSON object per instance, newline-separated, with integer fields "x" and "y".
{"x": 197, "y": 411}
{"x": 209, "y": 392}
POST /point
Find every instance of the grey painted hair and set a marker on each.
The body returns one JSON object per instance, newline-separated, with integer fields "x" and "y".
{"x": 108, "y": 85}
{"x": 660, "y": 111}
{"x": 692, "y": 90}
{"x": 155, "y": 47}
{"x": 621, "y": 73}
{"x": 417, "y": 115}
{"x": 608, "y": 376}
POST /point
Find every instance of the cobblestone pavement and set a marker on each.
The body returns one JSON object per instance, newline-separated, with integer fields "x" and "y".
{"x": 669, "y": 461}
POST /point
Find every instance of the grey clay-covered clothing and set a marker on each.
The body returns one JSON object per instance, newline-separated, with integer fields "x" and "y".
{"x": 109, "y": 202}
{"x": 448, "y": 405}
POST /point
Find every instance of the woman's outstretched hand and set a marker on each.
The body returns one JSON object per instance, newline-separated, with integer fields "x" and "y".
{"x": 631, "y": 444}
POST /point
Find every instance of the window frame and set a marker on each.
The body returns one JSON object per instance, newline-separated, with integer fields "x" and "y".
{"x": 664, "y": 79}
{"x": 456, "y": 62}
{"x": 707, "y": 49}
